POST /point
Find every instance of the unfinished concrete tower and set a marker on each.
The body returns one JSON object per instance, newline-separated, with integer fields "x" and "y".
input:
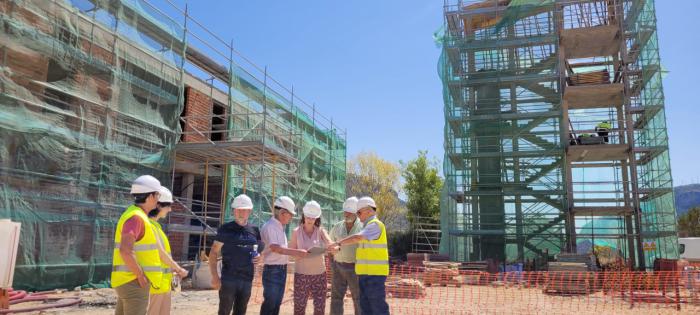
{"x": 555, "y": 132}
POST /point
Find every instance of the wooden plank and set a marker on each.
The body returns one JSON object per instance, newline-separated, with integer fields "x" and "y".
{"x": 594, "y": 96}
{"x": 591, "y": 41}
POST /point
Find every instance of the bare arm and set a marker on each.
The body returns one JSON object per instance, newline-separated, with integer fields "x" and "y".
{"x": 325, "y": 236}
{"x": 276, "y": 248}
{"x": 352, "y": 239}
{"x": 213, "y": 264}
{"x": 293, "y": 241}
{"x": 168, "y": 260}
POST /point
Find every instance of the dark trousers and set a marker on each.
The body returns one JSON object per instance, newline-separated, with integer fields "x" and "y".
{"x": 343, "y": 277}
{"x": 234, "y": 295}
{"x": 274, "y": 278}
{"x": 602, "y": 132}
{"x": 373, "y": 295}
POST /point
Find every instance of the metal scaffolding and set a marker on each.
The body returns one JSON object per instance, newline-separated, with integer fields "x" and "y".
{"x": 527, "y": 174}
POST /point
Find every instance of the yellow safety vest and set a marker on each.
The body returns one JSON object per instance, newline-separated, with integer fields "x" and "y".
{"x": 146, "y": 251}
{"x": 166, "y": 284}
{"x": 604, "y": 125}
{"x": 373, "y": 256}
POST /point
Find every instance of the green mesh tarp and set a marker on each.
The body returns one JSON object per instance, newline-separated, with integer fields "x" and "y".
{"x": 82, "y": 113}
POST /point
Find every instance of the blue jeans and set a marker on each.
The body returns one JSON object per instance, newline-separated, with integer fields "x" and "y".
{"x": 373, "y": 295}
{"x": 234, "y": 296}
{"x": 274, "y": 278}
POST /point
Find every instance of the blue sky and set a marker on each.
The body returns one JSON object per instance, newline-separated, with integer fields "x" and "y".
{"x": 372, "y": 67}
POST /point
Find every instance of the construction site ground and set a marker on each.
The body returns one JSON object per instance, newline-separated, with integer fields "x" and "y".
{"x": 467, "y": 299}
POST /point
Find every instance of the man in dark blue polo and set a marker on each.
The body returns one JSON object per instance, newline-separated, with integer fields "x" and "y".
{"x": 239, "y": 244}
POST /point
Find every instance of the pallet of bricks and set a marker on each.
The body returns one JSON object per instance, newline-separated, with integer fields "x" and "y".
{"x": 571, "y": 274}
{"x": 441, "y": 273}
{"x": 406, "y": 288}
{"x": 590, "y": 78}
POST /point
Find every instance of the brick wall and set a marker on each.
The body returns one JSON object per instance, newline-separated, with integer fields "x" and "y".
{"x": 26, "y": 66}
{"x": 197, "y": 104}
{"x": 178, "y": 240}
{"x": 26, "y": 14}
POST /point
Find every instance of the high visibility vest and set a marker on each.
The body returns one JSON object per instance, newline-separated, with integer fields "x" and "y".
{"x": 146, "y": 251}
{"x": 166, "y": 284}
{"x": 373, "y": 256}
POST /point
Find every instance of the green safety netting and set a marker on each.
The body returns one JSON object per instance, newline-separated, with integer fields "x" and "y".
{"x": 81, "y": 115}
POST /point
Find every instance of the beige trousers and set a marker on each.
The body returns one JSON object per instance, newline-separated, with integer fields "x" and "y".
{"x": 160, "y": 304}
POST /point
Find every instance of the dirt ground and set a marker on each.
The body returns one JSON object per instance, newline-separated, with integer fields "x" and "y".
{"x": 467, "y": 299}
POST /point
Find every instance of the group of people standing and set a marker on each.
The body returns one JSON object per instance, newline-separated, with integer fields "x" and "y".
{"x": 143, "y": 268}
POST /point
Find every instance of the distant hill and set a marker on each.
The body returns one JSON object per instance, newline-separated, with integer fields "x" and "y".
{"x": 687, "y": 196}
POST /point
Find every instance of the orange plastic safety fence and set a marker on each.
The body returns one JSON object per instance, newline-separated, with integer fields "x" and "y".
{"x": 421, "y": 290}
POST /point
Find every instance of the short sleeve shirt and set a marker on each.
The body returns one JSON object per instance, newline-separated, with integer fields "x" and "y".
{"x": 273, "y": 233}
{"x": 371, "y": 231}
{"x": 238, "y": 249}
{"x": 135, "y": 227}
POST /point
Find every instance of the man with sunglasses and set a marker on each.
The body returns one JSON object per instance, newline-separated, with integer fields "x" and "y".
{"x": 276, "y": 255}
{"x": 136, "y": 262}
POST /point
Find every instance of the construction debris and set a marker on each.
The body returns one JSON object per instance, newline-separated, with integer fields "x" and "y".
{"x": 405, "y": 288}
{"x": 442, "y": 273}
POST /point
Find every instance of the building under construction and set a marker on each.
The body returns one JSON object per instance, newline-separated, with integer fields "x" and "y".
{"x": 528, "y": 175}
{"x": 96, "y": 93}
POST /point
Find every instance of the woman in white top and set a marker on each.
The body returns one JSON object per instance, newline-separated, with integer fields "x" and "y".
{"x": 310, "y": 271}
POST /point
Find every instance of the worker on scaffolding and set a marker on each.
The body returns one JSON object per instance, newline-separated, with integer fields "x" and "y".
{"x": 603, "y": 128}
{"x": 239, "y": 244}
{"x": 160, "y": 299}
{"x": 276, "y": 255}
{"x": 343, "y": 262}
{"x": 136, "y": 262}
{"x": 372, "y": 258}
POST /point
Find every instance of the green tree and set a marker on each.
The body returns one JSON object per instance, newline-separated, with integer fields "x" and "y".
{"x": 370, "y": 175}
{"x": 423, "y": 186}
{"x": 690, "y": 222}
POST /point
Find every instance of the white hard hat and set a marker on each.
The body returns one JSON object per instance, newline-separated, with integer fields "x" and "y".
{"x": 312, "y": 210}
{"x": 286, "y": 203}
{"x": 366, "y": 202}
{"x": 242, "y": 202}
{"x": 145, "y": 184}
{"x": 165, "y": 195}
{"x": 350, "y": 205}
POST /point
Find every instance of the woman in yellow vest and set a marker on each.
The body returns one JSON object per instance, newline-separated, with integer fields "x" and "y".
{"x": 160, "y": 299}
{"x": 372, "y": 254}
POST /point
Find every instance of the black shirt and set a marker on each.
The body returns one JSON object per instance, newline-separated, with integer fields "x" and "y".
{"x": 237, "y": 250}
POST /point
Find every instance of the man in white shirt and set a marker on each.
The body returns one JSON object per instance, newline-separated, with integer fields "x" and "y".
{"x": 276, "y": 255}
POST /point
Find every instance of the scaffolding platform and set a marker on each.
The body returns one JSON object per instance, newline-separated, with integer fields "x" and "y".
{"x": 594, "y": 96}
{"x": 231, "y": 152}
{"x": 587, "y": 42}
{"x": 604, "y": 211}
{"x": 597, "y": 152}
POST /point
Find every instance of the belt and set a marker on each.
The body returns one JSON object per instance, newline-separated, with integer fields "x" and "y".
{"x": 345, "y": 264}
{"x": 275, "y": 266}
